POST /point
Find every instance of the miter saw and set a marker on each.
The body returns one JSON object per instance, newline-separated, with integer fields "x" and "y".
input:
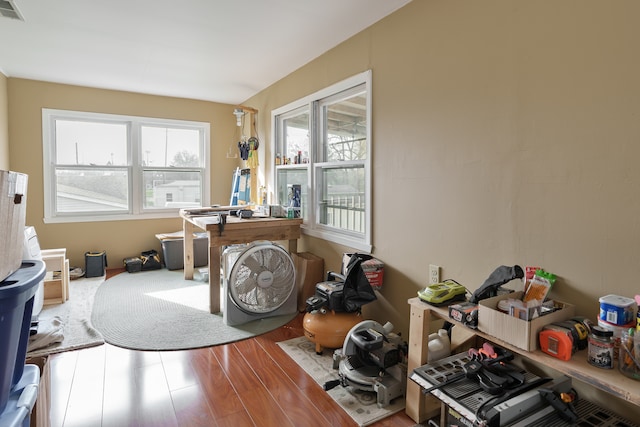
{"x": 373, "y": 358}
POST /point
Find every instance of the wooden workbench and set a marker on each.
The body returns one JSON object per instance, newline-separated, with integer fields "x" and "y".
{"x": 235, "y": 231}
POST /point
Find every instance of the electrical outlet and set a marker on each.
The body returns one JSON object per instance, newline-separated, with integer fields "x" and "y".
{"x": 434, "y": 274}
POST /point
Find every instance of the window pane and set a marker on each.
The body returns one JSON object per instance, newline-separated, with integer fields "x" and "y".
{"x": 334, "y": 124}
{"x": 169, "y": 189}
{"x": 345, "y": 129}
{"x": 105, "y": 166}
{"x": 286, "y": 179}
{"x": 91, "y": 143}
{"x": 170, "y": 147}
{"x": 91, "y": 190}
{"x": 296, "y": 138}
{"x": 342, "y": 202}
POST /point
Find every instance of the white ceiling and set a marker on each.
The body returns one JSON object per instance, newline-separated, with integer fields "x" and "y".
{"x": 216, "y": 50}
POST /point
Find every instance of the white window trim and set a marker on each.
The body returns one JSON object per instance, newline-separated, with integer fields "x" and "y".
{"x": 48, "y": 135}
{"x": 310, "y": 226}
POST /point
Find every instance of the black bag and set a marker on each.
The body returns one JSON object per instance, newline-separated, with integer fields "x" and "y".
{"x": 357, "y": 289}
{"x": 133, "y": 265}
{"x": 95, "y": 263}
{"x": 499, "y": 277}
{"x": 150, "y": 260}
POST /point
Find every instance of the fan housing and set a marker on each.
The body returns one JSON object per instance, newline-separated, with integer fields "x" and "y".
{"x": 259, "y": 282}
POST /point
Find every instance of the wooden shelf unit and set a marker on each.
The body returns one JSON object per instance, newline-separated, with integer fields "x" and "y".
{"x": 56, "y": 281}
{"x": 421, "y": 407}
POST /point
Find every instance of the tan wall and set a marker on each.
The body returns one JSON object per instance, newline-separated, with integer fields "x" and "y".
{"x": 4, "y": 124}
{"x": 119, "y": 238}
{"x": 504, "y": 132}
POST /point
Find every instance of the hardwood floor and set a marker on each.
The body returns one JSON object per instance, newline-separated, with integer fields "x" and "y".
{"x": 246, "y": 383}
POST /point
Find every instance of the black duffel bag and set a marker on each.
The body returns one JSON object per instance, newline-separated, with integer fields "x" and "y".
{"x": 150, "y": 260}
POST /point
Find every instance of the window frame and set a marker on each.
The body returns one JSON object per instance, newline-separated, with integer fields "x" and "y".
{"x": 313, "y": 103}
{"x": 134, "y": 167}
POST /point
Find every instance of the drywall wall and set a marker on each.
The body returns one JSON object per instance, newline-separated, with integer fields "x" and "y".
{"x": 504, "y": 132}
{"x": 4, "y": 124}
{"x": 119, "y": 238}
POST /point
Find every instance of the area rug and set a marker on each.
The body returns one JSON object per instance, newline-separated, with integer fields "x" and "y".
{"x": 67, "y": 326}
{"x": 362, "y": 406}
{"x": 159, "y": 310}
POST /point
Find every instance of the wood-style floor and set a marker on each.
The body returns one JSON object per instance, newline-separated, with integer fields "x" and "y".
{"x": 247, "y": 383}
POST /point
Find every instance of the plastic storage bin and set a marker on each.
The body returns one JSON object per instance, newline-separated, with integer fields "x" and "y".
{"x": 617, "y": 310}
{"x": 173, "y": 250}
{"x": 17, "y": 295}
{"x": 95, "y": 263}
{"x": 22, "y": 399}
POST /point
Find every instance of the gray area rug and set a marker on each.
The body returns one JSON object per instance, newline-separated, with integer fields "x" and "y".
{"x": 159, "y": 310}
{"x": 67, "y": 326}
{"x": 362, "y": 406}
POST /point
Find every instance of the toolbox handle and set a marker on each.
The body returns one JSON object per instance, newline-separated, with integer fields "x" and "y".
{"x": 368, "y": 339}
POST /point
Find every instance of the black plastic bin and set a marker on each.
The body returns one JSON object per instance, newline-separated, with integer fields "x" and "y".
{"x": 95, "y": 263}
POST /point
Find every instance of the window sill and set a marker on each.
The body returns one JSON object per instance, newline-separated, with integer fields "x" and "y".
{"x": 353, "y": 243}
{"x": 105, "y": 218}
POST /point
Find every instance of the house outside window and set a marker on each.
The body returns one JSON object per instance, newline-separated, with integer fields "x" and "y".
{"x": 101, "y": 167}
{"x": 323, "y": 146}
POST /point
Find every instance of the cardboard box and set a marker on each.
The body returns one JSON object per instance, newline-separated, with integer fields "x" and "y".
{"x": 13, "y": 211}
{"x": 373, "y": 269}
{"x": 309, "y": 272}
{"x": 40, "y": 412}
{"x": 512, "y": 330}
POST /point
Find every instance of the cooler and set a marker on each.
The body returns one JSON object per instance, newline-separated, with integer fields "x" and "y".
{"x": 16, "y": 305}
{"x": 22, "y": 399}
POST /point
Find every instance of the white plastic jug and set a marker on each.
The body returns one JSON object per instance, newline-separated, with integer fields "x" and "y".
{"x": 439, "y": 345}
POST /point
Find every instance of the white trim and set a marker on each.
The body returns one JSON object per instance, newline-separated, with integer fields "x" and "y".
{"x": 358, "y": 79}
{"x": 340, "y": 238}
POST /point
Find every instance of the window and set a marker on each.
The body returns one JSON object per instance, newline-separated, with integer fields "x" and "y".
{"x": 323, "y": 145}
{"x": 107, "y": 167}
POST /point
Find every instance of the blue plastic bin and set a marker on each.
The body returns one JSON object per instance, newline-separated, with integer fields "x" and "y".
{"x": 22, "y": 398}
{"x": 16, "y": 305}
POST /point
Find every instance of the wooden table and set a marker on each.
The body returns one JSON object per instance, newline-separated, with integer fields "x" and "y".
{"x": 235, "y": 231}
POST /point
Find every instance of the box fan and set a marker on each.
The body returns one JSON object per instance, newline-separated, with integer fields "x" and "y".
{"x": 259, "y": 282}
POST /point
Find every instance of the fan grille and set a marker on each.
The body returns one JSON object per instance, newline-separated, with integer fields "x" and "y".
{"x": 262, "y": 279}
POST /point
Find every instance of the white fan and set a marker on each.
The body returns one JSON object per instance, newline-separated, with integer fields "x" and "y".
{"x": 259, "y": 282}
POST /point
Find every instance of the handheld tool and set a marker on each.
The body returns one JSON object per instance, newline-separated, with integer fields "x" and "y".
{"x": 564, "y": 409}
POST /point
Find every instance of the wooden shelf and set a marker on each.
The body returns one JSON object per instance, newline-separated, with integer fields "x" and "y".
{"x": 420, "y": 407}
{"x": 56, "y": 281}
